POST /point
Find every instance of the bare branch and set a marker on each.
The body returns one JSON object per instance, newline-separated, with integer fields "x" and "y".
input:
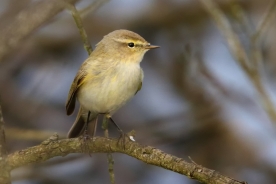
{"x": 233, "y": 41}
{"x": 266, "y": 21}
{"x": 256, "y": 54}
{"x": 3, "y": 149}
{"x": 109, "y": 156}
{"x": 249, "y": 63}
{"x": 26, "y": 21}
{"x": 257, "y": 60}
{"x": 78, "y": 21}
{"x": 92, "y": 7}
{"x": 147, "y": 154}
{"x": 5, "y": 177}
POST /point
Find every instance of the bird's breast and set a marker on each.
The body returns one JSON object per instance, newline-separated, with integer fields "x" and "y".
{"x": 111, "y": 89}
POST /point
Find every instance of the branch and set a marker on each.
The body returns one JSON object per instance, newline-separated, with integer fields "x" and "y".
{"x": 28, "y": 20}
{"x": 257, "y": 60}
{"x": 150, "y": 155}
{"x": 3, "y": 149}
{"x": 263, "y": 26}
{"x": 249, "y": 63}
{"x": 224, "y": 25}
{"x": 78, "y": 21}
{"x": 109, "y": 156}
{"x": 5, "y": 177}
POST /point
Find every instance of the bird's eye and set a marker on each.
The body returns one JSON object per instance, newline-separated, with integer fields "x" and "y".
{"x": 131, "y": 44}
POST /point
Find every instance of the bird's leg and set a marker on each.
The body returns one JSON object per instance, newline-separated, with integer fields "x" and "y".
{"x": 118, "y": 128}
{"x": 122, "y": 136}
{"x": 85, "y": 134}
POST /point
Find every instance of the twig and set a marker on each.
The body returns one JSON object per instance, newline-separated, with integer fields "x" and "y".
{"x": 3, "y": 148}
{"x": 147, "y": 154}
{"x": 257, "y": 60}
{"x": 266, "y": 21}
{"x": 233, "y": 41}
{"x": 82, "y": 31}
{"x": 252, "y": 69}
{"x": 5, "y": 177}
{"x": 256, "y": 54}
{"x": 92, "y": 7}
{"x": 110, "y": 159}
{"x": 78, "y": 20}
{"x": 27, "y": 21}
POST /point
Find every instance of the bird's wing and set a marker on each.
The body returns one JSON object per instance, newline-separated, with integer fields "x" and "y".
{"x": 78, "y": 81}
{"x": 141, "y": 83}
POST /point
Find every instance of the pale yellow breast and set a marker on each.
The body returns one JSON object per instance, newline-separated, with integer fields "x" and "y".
{"x": 112, "y": 89}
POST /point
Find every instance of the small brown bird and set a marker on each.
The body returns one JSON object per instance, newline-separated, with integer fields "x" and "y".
{"x": 107, "y": 79}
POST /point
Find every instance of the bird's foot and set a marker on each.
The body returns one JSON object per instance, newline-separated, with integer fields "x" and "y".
{"x": 122, "y": 140}
{"x": 85, "y": 138}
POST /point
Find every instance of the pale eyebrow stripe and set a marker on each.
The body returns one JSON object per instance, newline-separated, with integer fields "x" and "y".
{"x": 136, "y": 42}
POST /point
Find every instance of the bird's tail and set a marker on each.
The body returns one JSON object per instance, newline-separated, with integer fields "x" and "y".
{"x": 79, "y": 125}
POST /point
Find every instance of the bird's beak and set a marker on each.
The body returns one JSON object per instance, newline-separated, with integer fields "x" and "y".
{"x": 151, "y": 46}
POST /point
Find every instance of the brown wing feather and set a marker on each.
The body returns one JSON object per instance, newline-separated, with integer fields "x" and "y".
{"x": 78, "y": 127}
{"x": 71, "y": 99}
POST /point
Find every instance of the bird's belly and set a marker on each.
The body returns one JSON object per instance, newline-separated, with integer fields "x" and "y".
{"x": 110, "y": 94}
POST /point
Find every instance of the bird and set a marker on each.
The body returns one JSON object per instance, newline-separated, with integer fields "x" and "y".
{"x": 107, "y": 79}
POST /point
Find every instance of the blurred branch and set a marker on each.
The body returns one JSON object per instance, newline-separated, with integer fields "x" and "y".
{"x": 24, "y": 134}
{"x": 233, "y": 41}
{"x": 150, "y": 155}
{"x": 257, "y": 59}
{"x": 78, "y": 20}
{"x": 3, "y": 148}
{"x": 26, "y": 21}
{"x": 92, "y": 7}
{"x": 5, "y": 177}
{"x": 266, "y": 21}
{"x": 82, "y": 31}
{"x": 251, "y": 69}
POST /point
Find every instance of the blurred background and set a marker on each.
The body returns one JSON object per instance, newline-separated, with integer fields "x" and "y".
{"x": 196, "y": 100}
